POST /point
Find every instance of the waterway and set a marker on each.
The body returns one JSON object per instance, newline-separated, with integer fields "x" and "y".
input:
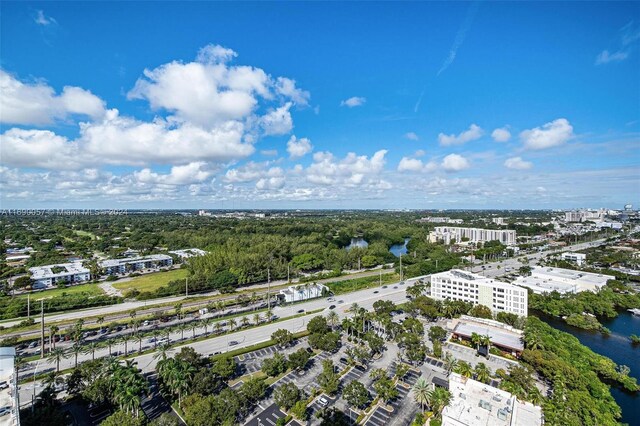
{"x": 399, "y": 249}
{"x": 357, "y": 242}
{"x": 617, "y": 347}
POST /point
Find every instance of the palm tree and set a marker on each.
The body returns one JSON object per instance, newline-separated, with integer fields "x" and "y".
{"x": 162, "y": 351}
{"x": 450, "y": 363}
{"x": 76, "y": 349}
{"x": 464, "y": 369}
{"x": 483, "y": 373}
{"x": 257, "y": 318}
{"x": 156, "y": 334}
{"x": 440, "y": 398}
{"x": 206, "y": 323}
{"x": 333, "y": 319}
{"x": 232, "y": 324}
{"x": 178, "y": 308}
{"x": 354, "y": 309}
{"x": 181, "y": 329}
{"x": 218, "y": 327}
{"x": 99, "y": 321}
{"x": 244, "y": 321}
{"x": 57, "y": 355}
{"x": 475, "y": 339}
{"x": 91, "y": 348}
{"x": 53, "y": 330}
{"x": 110, "y": 343}
{"x": 194, "y": 326}
{"x": 138, "y": 337}
{"x": 167, "y": 334}
{"x": 422, "y": 392}
{"x": 125, "y": 339}
{"x": 486, "y": 341}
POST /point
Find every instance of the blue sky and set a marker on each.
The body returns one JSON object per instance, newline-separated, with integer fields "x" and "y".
{"x": 320, "y": 105}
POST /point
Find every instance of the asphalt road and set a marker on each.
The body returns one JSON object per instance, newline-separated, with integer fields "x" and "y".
{"x": 248, "y": 337}
{"x": 120, "y": 311}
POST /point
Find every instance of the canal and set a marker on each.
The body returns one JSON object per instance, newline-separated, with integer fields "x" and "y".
{"x": 617, "y": 347}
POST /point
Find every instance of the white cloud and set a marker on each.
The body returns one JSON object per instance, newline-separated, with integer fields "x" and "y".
{"x": 277, "y": 121}
{"x": 37, "y": 103}
{"x": 179, "y": 175}
{"x": 215, "y": 54}
{"x": 411, "y": 136}
{"x": 501, "y": 134}
{"x": 124, "y": 140}
{"x": 38, "y": 148}
{"x": 287, "y": 87}
{"x": 410, "y": 164}
{"x": 605, "y": 57}
{"x": 298, "y": 147}
{"x": 351, "y": 171}
{"x": 269, "y": 152}
{"x": 454, "y": 163}
{"x": 517, "y": 163}
{"x": 354, "y": 101}
{"x": 419, "y": 153}
{"x": 474, "y": 132}
{"x": 42, "y": 19}
{"x": 549, "y": 135}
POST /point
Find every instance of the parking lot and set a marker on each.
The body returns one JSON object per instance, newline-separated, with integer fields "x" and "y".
{"x": 463, "y": 353}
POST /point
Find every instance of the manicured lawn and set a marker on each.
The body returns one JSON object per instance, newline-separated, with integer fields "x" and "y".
{"x": 151, "y": 282}
{"x": 84, "y": 234}
{"x": 92, "y": 289}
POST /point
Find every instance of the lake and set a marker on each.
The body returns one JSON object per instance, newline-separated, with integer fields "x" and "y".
{"x": 357, "y": 242}
{"x": 399, "y": 249}
{"x": 617, "y": 347}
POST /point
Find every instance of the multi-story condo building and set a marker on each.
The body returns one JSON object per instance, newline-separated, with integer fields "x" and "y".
{"x": 582, "y": 215}
{"x": 131, "y": 264}
{"x": 478, "y": 290}
{"x": 50, "y": 275}
{"x": 9, "y": 400}
{"x": 187, "y": 253}
{"x": 475, "y": 235}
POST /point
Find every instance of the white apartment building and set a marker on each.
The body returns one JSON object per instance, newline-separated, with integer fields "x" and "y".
{"x": 498, "y": 221}
{"x": 475, "y": 235}
{"x": 131, "y": 264}
{"x": 9, "y": 394}
{"x": 582, "y": 215}
{"x": 478, "y": 290}
{"x": 578, "y": 258}
{"x": 50, "y": 275}
{"x": 544, "y": 279}
{"x": 296, "y": 293}
{"x": 440, "y": 219}
{"x": 187, "y": 253}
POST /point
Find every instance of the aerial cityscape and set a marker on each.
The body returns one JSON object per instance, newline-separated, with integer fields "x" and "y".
{"x": 319, "y": 213}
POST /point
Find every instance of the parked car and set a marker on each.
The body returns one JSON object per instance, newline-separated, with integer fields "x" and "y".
{"x": 5, "y": 410}
{"x": 344, "y": 361}
{"x": 4, "y": 385}
{"x": 323, "y": 401}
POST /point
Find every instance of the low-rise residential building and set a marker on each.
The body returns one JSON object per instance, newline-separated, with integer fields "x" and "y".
{"x": 131, "y": 264}
{"x": 544, "y": 279}
{"x": 9, "y": 397}
{"x": 474, "y": 403}
{"x": 478, "y": 290}
{"x": 296, "y": 293}
{"x": 50, "y": 275}
{"x": 187, "y": 253}
{"x": 447, "y": 234}
{"x": 578, "y": 258}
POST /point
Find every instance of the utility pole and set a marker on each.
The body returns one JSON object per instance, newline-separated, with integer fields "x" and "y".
{"x": 186, "y": 287}
{"x": 268, "y": 290}
{"x": 288, "y": 274}
{"x": 28, "y": 305}
{"x": 400, "y": 268}
{"x": 381, "y": 276}
{"x": 41, "y": 330}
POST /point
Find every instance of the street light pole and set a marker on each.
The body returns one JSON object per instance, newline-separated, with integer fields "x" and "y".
{"x": 33, "y": 399}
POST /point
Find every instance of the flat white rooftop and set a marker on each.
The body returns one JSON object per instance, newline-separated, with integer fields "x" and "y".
{"x": 470, "y": 276}
{"x": 186, "y": 253}
{"x": 501, "y": 337}
{"x": 117, "y": 262}
{"x": 475, "y": 404}
{"x": 546, "y": 279}
{"x": 58, "y": 270}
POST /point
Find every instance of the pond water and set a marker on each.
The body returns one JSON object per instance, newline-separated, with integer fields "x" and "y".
{"x": 399, "y": 249}
{"x": 357, "y": 242}
{"x": 617, "y": 347}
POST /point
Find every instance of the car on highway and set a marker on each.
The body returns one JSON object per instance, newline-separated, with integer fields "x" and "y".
{"x": 233, "y": 343}
{"x": 376, "y": 292}
{"x": 33, "y": 345}
{"x": 300, "y": 311}
{"x": 332, "y": 307}
{"x": 384, "y": 286}
{"x": 340, "y": 301}
{"x": 401, "y": 283}
{"x": 395, "y": 286}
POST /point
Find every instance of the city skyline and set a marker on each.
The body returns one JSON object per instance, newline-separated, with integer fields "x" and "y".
{"x": 346, "y": 105}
